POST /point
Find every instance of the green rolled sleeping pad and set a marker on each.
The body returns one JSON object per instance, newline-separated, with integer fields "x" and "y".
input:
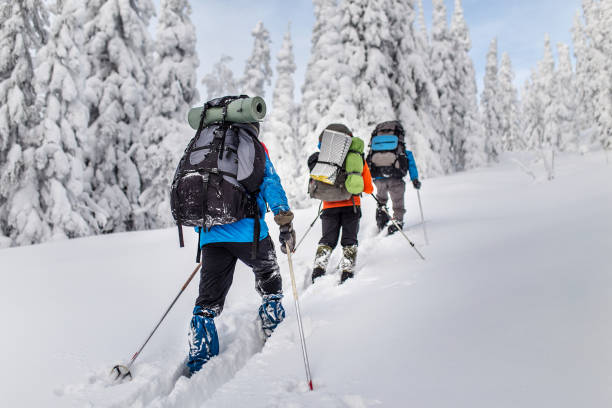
{"x": 243, "y": 110}
{"x": 354, "y": 167}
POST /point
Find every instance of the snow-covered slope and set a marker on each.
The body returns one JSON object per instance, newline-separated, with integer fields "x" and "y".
{"x": 510, "y": 309}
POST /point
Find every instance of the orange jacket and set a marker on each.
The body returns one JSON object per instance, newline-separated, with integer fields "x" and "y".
{"x": 368, "y": 188}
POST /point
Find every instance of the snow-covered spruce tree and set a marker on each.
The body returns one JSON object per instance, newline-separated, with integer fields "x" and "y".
{"x": 532, "y": 110}
{"x": 548, "y": 87}
{"x": 366, "y": 53}
{"x": 23, "y": 25}
{"x": 280, "y": 133}
{"x": 165, "y": 130}
{"x": 586, "y": 88}
{"x": 257, "y": 71}
{"x": 565, "y": 102}
{"x": 413, "y": 93}
{"x": 466, "y": 135}
{"x": 489, "y": 104}
{"x": 598, "y": 15}
{"x": 442, "y": 71}
{"x": 117, "y": 91}
{"x": 421, "y": 34}
{"x": 323, "y": 73}
{"x": 509, "y": 107}
{"x": 220, "y": 81}
{"x": 64, "y": 188}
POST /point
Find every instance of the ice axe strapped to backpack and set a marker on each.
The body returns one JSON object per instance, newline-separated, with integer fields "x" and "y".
{"x": 217, "y": 179}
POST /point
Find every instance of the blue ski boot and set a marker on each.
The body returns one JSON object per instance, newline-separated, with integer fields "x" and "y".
{"x": 203, "y": 339}
{"x": 271, "y": 313}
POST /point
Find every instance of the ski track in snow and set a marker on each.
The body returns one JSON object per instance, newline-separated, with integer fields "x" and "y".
{"x": 156, "y": 386}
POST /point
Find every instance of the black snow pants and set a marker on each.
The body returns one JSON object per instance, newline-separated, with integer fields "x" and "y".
{"x": 218, "y": 271}
{"x": 332, "y": 219}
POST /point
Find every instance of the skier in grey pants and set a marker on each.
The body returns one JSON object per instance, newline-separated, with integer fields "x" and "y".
{"x": 390, "y": 162}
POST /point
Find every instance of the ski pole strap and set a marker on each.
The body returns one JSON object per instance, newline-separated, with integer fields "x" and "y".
{"x": 199, "y": 252}
{"x": 256, "y": 232}
{"x": 180, "y": 233}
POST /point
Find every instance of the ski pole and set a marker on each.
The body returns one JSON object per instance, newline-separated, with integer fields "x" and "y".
{"x": 384, "y": 208}
{"x": 422, "y": 218}
{"x": 299, "y": 318}
{"x": 309, "y": 228}
{"x": 122, "y": 371}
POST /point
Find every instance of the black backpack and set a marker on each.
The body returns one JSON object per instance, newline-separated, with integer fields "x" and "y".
{"x": 387, "y": 151}
{"x": 218, "y": 178}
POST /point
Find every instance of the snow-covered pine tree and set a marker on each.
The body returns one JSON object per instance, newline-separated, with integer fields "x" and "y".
{"x": 586, "y": 88}
{"x": 117, "y": 91}
{"x": 23, "y": 25}
{"x": 373, "y": 81}
{"x": 599, "y": 28}
{"x": 366, "y": 53}
{"x": 532, "y": 110}
{"x": 414, "y": 95}
{"x": 65, "y": 191}
{"x": 220, "y": 81}
{"x": 165, "y": 130}
{"x": 442, "y": 67}
{"x": 323, "y": 73}
{"x": 489, "y": 104}
{"x": 422, "y": 34}
{"x": 466, "y": 135}
{"x": 565, "y": 102}
{"x": 548, "y": 87}
{"x": 280, "y": 133}
{"x": 257, "y": 71}
{"x": 509, "y": 107}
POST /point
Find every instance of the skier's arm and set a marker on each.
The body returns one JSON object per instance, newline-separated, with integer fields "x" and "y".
{"x": 412, "y": 168}
{"x": 272, "y": 191}
{"x": 368, "y": 187}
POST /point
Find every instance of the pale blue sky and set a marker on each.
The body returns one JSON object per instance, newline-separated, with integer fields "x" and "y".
{"x": 224, "y": 26}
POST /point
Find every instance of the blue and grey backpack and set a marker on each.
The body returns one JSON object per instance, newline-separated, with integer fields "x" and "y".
{"x": 387, "y": 151}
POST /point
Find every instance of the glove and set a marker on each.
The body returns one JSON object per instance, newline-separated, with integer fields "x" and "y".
{"x": 287, "y": 233}
{"x": 287, "y": 236}
{"x": 416, "y": 183}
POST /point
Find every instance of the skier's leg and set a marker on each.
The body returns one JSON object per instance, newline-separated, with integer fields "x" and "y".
{"x": 331, "y": 221}
{"x": 321, "y": 260}
{"x": 215, "y": 280}
{"x": 330, "y": 224}
{"x": 268, "y": 282}
{"x": 350, "y": 229}
{"x": 381, "y": 194}
{"x": 203, "y": 339}
{"x": 397, "y": 191}
{"x": 216, "y": 277}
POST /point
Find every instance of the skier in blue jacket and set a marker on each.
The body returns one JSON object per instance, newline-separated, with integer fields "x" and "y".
{"x": 390, "y": 162}
{"x": 222, "y": 246}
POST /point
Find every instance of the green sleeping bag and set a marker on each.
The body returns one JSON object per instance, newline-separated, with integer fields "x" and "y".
{"x": 353, "y": 165}
{"x": 243, "y": 110}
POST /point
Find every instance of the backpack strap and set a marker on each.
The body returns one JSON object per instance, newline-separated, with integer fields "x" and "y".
{"x": 254, "y": 212}
{"x": 199, "y": 251}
